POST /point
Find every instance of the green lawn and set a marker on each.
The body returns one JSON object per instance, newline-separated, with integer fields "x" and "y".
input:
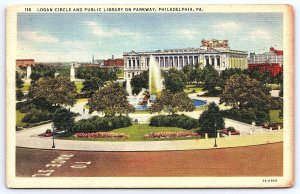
{"x": 190, "y": 88}
{"x": 274, "y": 116}
{"x": 141, "y": 112}
{"x": 20, "y": 116}
{"x": 274, "y": 86}
{"x": 136, "y": 132}
{"x": 26, "y": 87}
{"x": 82, "y": 100}
{"x": 79, "y": 86}
{"x": 120, "y": 73}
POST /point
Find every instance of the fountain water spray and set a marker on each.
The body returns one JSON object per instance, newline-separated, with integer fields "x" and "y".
{"x": 155, "y": 80}
{"x": 128, "y": 87}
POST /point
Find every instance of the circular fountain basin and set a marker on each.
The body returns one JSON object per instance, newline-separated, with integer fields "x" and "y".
{"x": 198, "y": 103}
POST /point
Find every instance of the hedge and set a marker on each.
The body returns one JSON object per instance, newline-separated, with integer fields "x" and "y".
{"x": 181, "y": 121}
{"x": 36, "y": 116}
{"x": 246, "y": 115}
{"x": 101, "y": 124}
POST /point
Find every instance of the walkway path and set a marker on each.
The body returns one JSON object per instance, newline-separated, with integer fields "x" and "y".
{"x": 29, "y": 138}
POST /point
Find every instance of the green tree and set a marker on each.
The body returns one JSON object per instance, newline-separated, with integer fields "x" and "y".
{"x": 63, "y": 119}
{"x": 90, "y": 86}
{"x": 19, "y": 81}
{"x": 241, "y": 91}
{"x": 42, "y": 71}
{"x": 57, "y": 91}
{"x": 211, "y": 79}
{"x": 110, "y": 100}
{"x": 211, "y": 120}
{"x": 140, "y": 81}
{"x": 19, "y": 95}
{"x": 226, "y": 74}
{"x": 173, "y": 102}
{"x": 175, "y": 80}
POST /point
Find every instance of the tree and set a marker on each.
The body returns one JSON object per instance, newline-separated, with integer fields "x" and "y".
{"x": 241, "y": 91}
{"x": 19, "y": 81}
{"x": 173, "y": 102}
{"x": 63, "y": 119}
{"x": 175, "y": 80}
{"x": 101, "y": 73}
{"x": 90, "y": 86}
{"x": 19, "y": 95}
{"x": 140, "y": 81}
{"x": 210, "y": 119}
{"x": 57, "y": 91}
{"x": 111, "y": 100}
{"x": 41, "y": 71}
{"x": 226, "y": 74}
{"x": 211, "y": 79}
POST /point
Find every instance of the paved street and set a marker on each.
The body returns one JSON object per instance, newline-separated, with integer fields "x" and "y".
{"x": 261, "y": 160}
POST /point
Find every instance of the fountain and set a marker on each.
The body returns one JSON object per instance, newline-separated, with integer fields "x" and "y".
{"x": 155, "y": 80}
{"x": 72, "y": 73}
{"x": 28, "y": 73}
{"x": 128, "y": 87}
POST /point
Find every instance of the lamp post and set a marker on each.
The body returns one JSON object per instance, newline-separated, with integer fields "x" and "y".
{"x": 215, "y": 136}
{"x": 53, "y": 133}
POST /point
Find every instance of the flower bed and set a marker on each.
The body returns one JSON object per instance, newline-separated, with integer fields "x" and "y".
{"x": 171, "y": 134}
{"x": 101, "y": 135}
{"x": 225, "y": 132}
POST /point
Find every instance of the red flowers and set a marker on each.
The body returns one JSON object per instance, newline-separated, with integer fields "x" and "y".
{"x": 225, "y": 132}
{"x": 171, "y": 134}
{"x": 101, "y": 135}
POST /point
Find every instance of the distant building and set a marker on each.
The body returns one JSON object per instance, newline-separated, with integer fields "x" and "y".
{"x": 273, "y": 56}
{"x": 25, "y": 62}
{"x": 269, "y": 61}
{"x": 212, "y": 52}
{"x": 113, "y": 62}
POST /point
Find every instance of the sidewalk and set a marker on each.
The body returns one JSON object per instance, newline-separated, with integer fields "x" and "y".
{"x": 29, "y": 138}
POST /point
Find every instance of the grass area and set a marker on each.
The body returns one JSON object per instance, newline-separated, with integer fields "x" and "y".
{"x": 136, "y": 132}
{"x": 120, "y": 73}
{"x": 82, "y": 100}
{"x": 274, "y": 116}
{"x": 193, "y": 89}
{"x": 79, "y": 86}
{"x": 274, "y": 86}
{"x": 26, "y": 87}
{"x": 141, "y": 112}
{"x": 20, "y": 116}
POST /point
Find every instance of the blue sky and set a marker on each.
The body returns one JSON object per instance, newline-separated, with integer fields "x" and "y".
{"x": 76, "y": 37}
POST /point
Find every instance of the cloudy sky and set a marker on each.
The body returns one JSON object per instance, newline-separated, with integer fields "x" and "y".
{"x": 76, "y": 37}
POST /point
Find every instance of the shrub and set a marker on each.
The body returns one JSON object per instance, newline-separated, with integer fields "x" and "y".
{"x": 246, "y": 115}
{"x": 181, "y": 121}
{"x": 101, "y": 135}
{"x": 19, "y": 95}
{"x": 231, "y": 129}
{"x": 96, "y": 124}
{"x": 36, "y": 116}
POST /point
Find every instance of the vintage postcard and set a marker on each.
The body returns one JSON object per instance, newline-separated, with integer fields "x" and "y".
{"x": 150, "y": 96}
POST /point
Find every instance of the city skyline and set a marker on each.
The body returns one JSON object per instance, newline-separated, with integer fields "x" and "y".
{"x": 77, "y": 37}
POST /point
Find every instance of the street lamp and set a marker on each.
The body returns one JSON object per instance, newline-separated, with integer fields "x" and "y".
{"x": 53, "y": 133}
{"x": 215, "y": 136}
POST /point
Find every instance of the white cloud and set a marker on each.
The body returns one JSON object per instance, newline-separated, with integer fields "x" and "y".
{"x": 187, "y": 33}
{"x": 227, "y": 25}
{"x": 99, "y": 30}
{"x": 260, "y": 33}
{"x": 38, "y": 37}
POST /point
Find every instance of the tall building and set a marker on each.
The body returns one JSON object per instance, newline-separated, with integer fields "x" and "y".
{"x": 212, "y": 52}
{"x": 269, "y": 61}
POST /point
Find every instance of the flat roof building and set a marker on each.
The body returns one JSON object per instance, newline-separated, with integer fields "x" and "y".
{"x": 212, "y": 52}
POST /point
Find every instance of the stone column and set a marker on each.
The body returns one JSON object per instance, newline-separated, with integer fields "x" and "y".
{"x": 178, "y": 65}
{"x": 159, "y": 61}
{"x": 188, "y": 60}
{"x": 173, "y": 64}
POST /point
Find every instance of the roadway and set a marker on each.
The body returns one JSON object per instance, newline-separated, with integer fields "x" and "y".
{"x": 260, "y": 160}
